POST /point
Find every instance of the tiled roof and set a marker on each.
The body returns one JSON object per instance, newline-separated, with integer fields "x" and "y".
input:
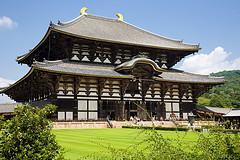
{"x": 214, "y": 109}
{"x": 101, "y": 70}
{"x": 181, "y": 76}
{"x": 87, "y": 69}
{"x": 233, "y": 113}
{"x": 8, "y": 108}
{"x": 112, "y": 30}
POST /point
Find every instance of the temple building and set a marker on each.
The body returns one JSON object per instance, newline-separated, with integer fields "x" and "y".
{"x": 92, "y": 67}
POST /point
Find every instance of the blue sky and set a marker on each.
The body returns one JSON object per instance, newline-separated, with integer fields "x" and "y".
{"x": 214, "y": 24}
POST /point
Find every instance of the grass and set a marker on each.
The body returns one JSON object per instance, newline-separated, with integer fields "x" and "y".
{"x": 81, "y": 142}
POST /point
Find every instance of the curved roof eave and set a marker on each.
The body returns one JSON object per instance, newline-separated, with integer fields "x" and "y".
{"x": 192, "y": 82}
{"x": 23, "y": 78}
{"x": 51, "y": 71}
{"x": 57, "y": 28}
{"x": 94, "y": 22}
{"x": 70, "y": 34}
{"x": 28, "y": 54}
{"x": 79, "y": 74}
{"x": 125, "y": 43}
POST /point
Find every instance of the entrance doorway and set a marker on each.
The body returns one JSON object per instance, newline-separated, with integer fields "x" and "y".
{"x": 133, "y": 114}
{"x": 131, "y": 108}
{"x": 112, "y": 115}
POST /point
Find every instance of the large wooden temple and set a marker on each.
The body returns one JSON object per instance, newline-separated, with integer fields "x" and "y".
{"x": 93, "y": 66}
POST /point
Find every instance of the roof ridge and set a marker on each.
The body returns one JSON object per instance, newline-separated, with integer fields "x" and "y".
{"x": 77, "y": 19}
{"x": 201, "y": 75}
{"x": 159, "y": 36}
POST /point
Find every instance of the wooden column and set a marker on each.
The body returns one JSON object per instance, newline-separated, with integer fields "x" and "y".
{"x": 180, "y": 96}
{"x": 101, "y": 84}
{"x": 123, "y": 87}
{"x": 144, "y": 88}
{"x": 55, "y": 85}
{"x": 196, "y": 91}
{"x": 164, "y": 89}
{"x": 100, "y": 110}
{"x": 76, "y": 84}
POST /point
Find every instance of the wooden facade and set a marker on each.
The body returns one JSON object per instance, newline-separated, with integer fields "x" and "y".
{"x": 91, "y": 78}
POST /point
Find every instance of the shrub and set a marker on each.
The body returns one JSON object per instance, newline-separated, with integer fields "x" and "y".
{"x": 198, "y": 129}
{"x": 28, "y": 135}
{"x": 234, "y": 131}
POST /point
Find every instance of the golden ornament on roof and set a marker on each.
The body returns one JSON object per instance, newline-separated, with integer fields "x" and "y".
{"x": 83, "y": 11}
{"x": 120, "y": 17}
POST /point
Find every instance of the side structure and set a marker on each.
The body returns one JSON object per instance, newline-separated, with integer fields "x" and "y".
{"x": 92, "y": 67}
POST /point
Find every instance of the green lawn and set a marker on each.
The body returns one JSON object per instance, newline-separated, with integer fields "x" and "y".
{"x": 79, "y": 142}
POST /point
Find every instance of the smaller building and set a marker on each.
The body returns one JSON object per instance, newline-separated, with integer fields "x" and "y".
{"x": 233, "y": 115}
{"x": 219, "y": 114}
{"x": 211, "y": 112}
{"x": 7, "y": 110}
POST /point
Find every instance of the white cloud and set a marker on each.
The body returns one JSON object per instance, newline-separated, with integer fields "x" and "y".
{"x": 6, "y": 22}
{"x": 5, "y": 83}
{"x": 4, "y": 99}
{"x": 210, "y": 63}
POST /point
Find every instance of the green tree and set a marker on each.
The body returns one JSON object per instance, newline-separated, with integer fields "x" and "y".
{"x": 203, "y": 101}
{"x": 216, "y": 101}
{"x": 28, "y": 135}
{"x": 225, "y": 95}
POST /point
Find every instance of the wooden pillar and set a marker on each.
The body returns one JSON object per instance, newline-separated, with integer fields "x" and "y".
{"x": 76, "y": 84}
{"x": 159, "y": 110}
{"x": 180, "y": 108}
{"x": 144, "y": 88}
{"x": 121, "y": 106}
{"x": 196, "y": 90}
{"x": 164, "y": 89}
{"x": 100, "y": 110}
{"x": 180, "y": 96}
{"x": 101, "y": 84}
{"x": 123, "y": 87}
{"x": 53, "y": 98}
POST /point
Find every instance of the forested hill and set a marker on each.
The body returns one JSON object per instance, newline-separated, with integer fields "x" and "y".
{"x": 225, "y": 95}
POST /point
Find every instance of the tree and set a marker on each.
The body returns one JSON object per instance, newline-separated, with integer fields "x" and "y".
{"x": 225, "y": 95}
{"x": 28, "y": 135}
{"x": 216, "y": 101}
{"x": 203, "y": 101}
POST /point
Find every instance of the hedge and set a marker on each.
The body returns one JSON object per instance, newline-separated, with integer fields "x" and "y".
{"x": 159, "y": 128}
{"x": 198, "y": 129}
{"x": 233, "y": 131}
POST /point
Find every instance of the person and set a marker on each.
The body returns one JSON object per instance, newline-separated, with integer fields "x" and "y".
{"x": 131, "y": 118}
{"x": 173, "y": 115}
{"x": 153, "y": 118}
{"x": 161, "y": 119}
{"x": 138, "y": 119}
{"x": 176, "y": 118}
